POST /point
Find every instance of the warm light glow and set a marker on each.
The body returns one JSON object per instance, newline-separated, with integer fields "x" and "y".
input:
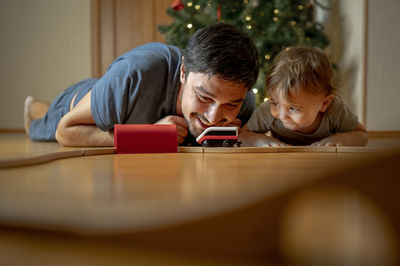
{"x": 190, "y": 25}
{"x": 267, "y": 56}
{"x": 266, "y": 99}
{"x": 276, "y": 11}
{"x": 287, "y": 48}
{"x": 292, "y": 22}
{"x": 248, "y": 27}
{"x": 197, "y": 7}
{"x": 248, "y": 18}
{"x": 275, "y": 19}
{"x": 300, "y": 7}
{"x": 255, "y": 90}
{"x": 189, "y": 4}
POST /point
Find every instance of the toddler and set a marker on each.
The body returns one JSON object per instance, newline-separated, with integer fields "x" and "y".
{"x": 302, "y": 108}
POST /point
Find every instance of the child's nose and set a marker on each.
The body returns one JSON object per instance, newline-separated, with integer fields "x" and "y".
{"x": 282, "y": 114}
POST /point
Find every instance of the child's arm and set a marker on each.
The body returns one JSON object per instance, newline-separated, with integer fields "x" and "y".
{"x": 249, "y": 138}
{"x": 357, "y": 137}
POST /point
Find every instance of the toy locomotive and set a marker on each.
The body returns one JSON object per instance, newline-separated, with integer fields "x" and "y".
{"x": 219, "y": 137}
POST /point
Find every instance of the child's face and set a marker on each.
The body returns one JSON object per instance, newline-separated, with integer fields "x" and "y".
{"x": 302, "y": 112}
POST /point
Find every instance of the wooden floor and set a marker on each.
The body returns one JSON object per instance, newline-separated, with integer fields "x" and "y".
{"x": 336, "y": 206}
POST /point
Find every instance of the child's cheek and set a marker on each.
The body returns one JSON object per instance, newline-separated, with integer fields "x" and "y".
{"x": 274, "y": 113}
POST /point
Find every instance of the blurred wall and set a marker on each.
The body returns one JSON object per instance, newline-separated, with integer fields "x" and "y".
{"x": 45, "y": 47}
{"x": 383, "y": 65}
{"x": 365, "y": 35}
{"x": 345, "y": 26}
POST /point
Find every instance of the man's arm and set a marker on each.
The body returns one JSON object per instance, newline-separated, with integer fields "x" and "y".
{"x": 77, "y": 127}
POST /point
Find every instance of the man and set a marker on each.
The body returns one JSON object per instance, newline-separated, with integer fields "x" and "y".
{"x": 206, "y": 85}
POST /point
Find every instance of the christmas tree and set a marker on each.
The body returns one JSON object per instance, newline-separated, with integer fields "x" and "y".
{"x": 272, "y": 24}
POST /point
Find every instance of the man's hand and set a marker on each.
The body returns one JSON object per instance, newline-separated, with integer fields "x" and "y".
{"x": 179, "y": 122}
{"x": 235, "y": 123}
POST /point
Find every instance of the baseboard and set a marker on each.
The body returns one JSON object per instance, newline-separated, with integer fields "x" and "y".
{"x": 15, "y": 130}
{"x": 384, "y": 134}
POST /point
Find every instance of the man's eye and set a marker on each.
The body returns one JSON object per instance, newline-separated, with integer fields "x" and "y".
{"x": 202, "y": 98}
{"x": 232, "y": 106}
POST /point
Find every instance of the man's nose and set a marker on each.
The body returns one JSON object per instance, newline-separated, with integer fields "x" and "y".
{"x": 214, "y": 114}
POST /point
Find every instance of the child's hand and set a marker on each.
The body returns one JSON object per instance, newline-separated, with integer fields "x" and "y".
{"x": 253, "y": 139}
{"x": 334, "y": 140}
{"x": 267, "y": 141}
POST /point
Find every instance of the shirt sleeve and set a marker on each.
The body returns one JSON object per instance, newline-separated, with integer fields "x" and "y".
{"x": 114, "y": 93}
{"x": 343, "y": 118}
{"x": 261, "y": 119}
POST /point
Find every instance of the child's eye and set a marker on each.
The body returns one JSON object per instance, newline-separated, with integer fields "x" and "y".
{"x": 274, "y": 104}
{"x": 294, "y": 109}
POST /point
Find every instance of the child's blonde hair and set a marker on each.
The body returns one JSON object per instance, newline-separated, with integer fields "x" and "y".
{"x": 300, "y": 67}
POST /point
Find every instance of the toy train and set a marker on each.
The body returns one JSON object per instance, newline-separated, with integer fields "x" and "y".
{"x": 219, "y": 137}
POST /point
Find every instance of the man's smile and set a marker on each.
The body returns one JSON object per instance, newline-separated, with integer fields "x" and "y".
{"x": 203, "y": 124}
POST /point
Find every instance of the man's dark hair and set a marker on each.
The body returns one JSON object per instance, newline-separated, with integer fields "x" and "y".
{"x": 225, "y": 51}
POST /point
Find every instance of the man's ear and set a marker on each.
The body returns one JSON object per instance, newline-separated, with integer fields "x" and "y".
{"x": 182, "y": 74}
{"x": 327, "y": 101}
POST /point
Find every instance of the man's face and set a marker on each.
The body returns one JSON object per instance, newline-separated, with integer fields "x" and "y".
{"x": 207, "y": 102}
{"x": 302, "y": 113}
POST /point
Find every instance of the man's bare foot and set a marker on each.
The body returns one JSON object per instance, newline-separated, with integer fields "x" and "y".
{"x": 27, "y": 114}
{"x": 33, "y": 109}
